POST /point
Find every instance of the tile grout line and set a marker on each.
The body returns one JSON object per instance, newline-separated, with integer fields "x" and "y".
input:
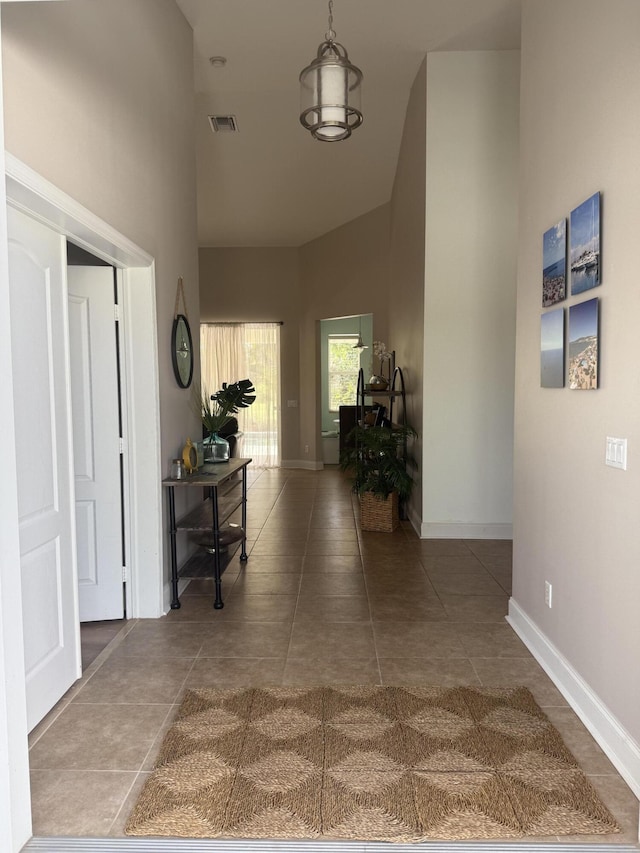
{"x": 84, "y": 679}
{"x": 286, "y": 656}
{"x": 410, "y": 552}
{"x": 123, "y": 803}
{"x": 366, "y": 588}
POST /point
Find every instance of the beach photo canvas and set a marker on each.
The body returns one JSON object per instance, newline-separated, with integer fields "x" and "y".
{"x": 584, "y": 255}
{"x": 583, "y": 346}
{"x": 554, "y": 264}
{"x": 552, "y": 349}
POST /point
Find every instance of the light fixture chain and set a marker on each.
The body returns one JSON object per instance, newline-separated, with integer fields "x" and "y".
{"x": 331, "y": 34}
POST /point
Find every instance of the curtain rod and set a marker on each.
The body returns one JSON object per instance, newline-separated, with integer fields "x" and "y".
{"x": 247, "y": 323}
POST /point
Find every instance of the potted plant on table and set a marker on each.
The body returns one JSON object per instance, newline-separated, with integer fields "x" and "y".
{"x": 379, "y": 461}
{"x": 218, "y": 409}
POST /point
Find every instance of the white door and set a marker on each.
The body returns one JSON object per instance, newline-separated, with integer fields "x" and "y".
{"x": 96, "y": 442}
{"x": 42, "y": 403}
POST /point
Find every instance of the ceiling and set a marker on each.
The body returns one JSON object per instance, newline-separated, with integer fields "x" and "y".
{"x": 272, "y": 184}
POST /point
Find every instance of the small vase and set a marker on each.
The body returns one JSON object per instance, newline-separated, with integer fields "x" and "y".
{"x": 378, "y": 383}
{"x": 216, "y": 448}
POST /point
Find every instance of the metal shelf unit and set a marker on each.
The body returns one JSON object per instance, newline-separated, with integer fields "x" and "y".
{"x": 226, "y": 483}
{"x": 395, "y": 391}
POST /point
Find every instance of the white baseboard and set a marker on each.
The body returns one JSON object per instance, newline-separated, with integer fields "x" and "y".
{"x": 414, "y": 519}
{"x": 621, "y": 749}
{"x": 444, "y": 530}
{"x": 306, "y": 464}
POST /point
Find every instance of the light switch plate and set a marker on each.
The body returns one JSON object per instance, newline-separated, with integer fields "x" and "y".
{"x": 616, "y": 454}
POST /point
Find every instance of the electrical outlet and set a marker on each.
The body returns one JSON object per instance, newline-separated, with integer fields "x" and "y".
{"x": 548, "y": 594}
{"x": 306, "y": 448}
{"x": 616, "y": 453}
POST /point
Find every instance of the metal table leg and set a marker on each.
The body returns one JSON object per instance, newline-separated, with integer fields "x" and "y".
{"x": 218, "y": 603}
{"x": 243, "y": 553}
{"x": 175, "y": 601}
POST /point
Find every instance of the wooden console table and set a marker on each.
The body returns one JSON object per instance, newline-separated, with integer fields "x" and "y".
{"x": 226, "y": 483}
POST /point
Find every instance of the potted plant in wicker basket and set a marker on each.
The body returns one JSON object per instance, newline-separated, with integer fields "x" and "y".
{"x": 378, "y": 459}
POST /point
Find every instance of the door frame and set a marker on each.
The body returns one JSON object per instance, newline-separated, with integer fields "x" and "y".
{"x": 35, "y": 196}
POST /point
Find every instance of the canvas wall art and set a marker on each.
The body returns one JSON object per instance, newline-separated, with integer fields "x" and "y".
{"x": 585, "y": 245}
{"x": 552, "y": 349}
{"x": 554, "y": 264}
{"x": 583, "y": 346}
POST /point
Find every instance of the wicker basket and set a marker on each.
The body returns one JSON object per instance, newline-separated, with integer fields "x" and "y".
{"x": 379, "y": 515}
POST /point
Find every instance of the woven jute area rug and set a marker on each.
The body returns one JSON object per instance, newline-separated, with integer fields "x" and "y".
{"x": 401, "y": 764}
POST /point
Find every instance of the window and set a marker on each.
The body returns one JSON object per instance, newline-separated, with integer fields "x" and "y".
{"x": 233, "y": 351}
{"x": 344, "y": 364}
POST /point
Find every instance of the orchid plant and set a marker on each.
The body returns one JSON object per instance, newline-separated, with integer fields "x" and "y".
{"x": 382, "y": 354}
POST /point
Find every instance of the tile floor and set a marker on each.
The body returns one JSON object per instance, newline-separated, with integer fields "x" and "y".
{"x": 96, "y": 636}
{"x": 319, "y": 601}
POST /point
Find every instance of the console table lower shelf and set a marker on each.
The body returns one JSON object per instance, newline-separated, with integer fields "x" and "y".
{"x": 226, "y": 483}
{"x": 200, "y": 566}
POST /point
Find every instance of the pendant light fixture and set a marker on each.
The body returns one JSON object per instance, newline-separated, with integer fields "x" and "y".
{"x": 359, "y": 345}
{"x": 330, "y": 91}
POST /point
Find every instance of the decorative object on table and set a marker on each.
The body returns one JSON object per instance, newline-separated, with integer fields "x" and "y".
{"x": 330, "y": 91}
{"x": 363, "y": 764}
{"x": 376, "y": 383}
{"x": 189, "y": 457}
{"x": 181, "y": 343}
{"x": 217, "y": 409}
{"x": 585, "y": 246}
{"x": 379, "y": 382}
{"x": 583, "y": 346}
{"x": 216, "y": 448}
{"x": 379, "y": 461}
{"x": 552, "y": 349}
{"x": 554, "y": 264}
{"x": 177, "y": 469}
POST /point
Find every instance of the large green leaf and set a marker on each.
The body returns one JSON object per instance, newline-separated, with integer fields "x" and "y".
{"x": 237, "y": 395}
{"x": 217, "y": 409}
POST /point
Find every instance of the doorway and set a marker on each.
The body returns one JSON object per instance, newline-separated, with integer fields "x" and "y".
{"x": 65, "y": 219}
{"x": 96, "y": 404}
{"x": 341, "y": 358}
{"x": 147, "y": 595}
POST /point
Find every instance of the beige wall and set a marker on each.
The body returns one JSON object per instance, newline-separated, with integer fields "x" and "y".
{"x": 575, "y": 519}
{"x": 340, "y": 274}
{"x": 344, "y": 272}
{"x": 99, "y": 100}
{"x": 472, "y": 150}
{"x": 407, "y": 268}
{"x": 456, "y": 178}
{"x": 259, "y": 285}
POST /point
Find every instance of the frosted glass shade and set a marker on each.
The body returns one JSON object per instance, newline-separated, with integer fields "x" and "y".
{"x": 330, "y": 89}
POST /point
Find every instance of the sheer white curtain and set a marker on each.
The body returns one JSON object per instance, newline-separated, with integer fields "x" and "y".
{"x": 233, "y": 351}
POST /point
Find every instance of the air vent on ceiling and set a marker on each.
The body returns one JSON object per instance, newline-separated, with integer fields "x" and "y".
{"x": 223, "y": 124}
